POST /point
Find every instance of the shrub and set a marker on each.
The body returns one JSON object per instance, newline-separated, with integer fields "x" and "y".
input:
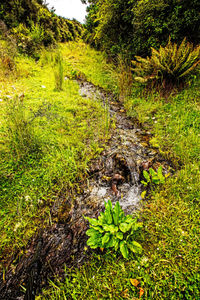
{"x": 113, "y": 229}
{"x": 169, "y": 66}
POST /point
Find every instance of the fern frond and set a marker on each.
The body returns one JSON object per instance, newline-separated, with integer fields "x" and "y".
{"x": 170, "y": 63}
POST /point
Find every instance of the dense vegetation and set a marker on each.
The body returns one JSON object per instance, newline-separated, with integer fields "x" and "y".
{"x": 33, "y": 25}
{"x": 137, "y": 25}
{"x": 49, "y": 134}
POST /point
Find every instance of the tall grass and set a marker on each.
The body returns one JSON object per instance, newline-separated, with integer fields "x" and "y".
{"x": 125, "y": 78}
{"x": 19, "y": 131}
{"x": 59, "y": 72}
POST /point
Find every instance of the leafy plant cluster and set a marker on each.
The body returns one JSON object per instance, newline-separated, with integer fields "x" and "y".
{"x": 168, "y": 65}
{"x": 114, "y": 230}
{"x": 153, "y": 177}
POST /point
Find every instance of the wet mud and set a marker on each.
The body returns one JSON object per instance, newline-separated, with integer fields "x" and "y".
{"x": 115, "y": 175}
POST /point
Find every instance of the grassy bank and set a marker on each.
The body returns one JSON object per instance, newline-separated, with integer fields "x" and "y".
{"x": 169, "y": 266}
{"x": 49, "y": 133}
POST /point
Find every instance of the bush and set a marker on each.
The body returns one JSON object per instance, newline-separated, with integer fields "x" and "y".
{"x": 169, "y": 66}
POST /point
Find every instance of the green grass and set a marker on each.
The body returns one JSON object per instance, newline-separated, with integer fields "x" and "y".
{"x": 91, "y": 63}
{"x": 169, "y": 267}
{"x": 47, "y": 139}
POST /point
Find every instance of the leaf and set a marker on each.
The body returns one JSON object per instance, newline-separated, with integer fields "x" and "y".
{"x": 141, "y": 292}
{"x": 116, "y": 245}
{"x": 111, "y": 242}
{"x": 124, "y": 227}
{"x": 108, "y": 205}
{"x": 119, "y": 235}
{"x": 146, "y": 176}
{"x": 101, "y": 219}
{"x": 129, "y": 219}
{"x": 93, "y": 242}
{"x": 134, "y": 246}
{"x": 160, "y": 175}
{"x": 152, "y": 172}
{"x": 105, "y": 238}
{"x": 124, "y": 249}
{"x": 143, "y": 194}
{"x": 93, "y": 222}
{"x": 116, "y": 213}
{"x": 111, "y": 228}
{"x": 134, "y": 282}
{"x": 107, "y": 213}
{"x": 98, "y": 228}
{"x": 91, "y": 232}
{"x": 155, "y": 180}
{"x": 144, "y": 183}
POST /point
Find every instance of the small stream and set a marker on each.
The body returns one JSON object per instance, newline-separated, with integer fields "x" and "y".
{"x": 115, "y": 175}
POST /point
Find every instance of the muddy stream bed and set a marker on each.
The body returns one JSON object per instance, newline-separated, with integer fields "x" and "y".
{"x": 115, "y": 175}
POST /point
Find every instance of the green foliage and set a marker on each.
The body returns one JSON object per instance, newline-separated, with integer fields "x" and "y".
{"x": 137, "y": 25}
{"x": 155, "y": 20}
{"x": 113, "y": 229}
{"x": 153, "y": 177}
{"x": 33, "y": 25}
{"x": 29, "y": 40}
{"x": 169, "y": 65}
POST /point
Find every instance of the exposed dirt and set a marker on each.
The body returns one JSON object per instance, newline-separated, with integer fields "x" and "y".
{"x": 114, "y": 175}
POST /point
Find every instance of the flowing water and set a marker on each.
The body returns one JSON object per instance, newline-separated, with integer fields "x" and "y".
{"x": 115, "y": 175}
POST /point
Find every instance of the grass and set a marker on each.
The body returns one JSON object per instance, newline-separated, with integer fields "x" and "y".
{"x": 169, "y": 267}
{"x": 48, "y": 137}
{"x": 91, "y": 64}
{"x": 68, "y": 136}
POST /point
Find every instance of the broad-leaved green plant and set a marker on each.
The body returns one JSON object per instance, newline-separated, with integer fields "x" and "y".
{"x": 153, "y": 177}
{"x": 114, "y": 230}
